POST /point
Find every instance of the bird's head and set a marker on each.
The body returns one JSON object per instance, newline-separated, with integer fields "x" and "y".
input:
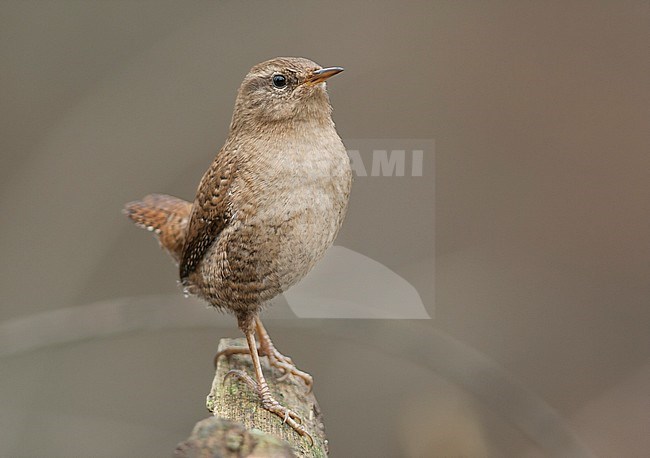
{"x": 284, "y": 89}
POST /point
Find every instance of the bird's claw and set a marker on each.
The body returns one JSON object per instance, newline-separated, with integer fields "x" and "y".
{"x": 286, "y": 367}
{"x": 243, "y": 376}
{"x": 229, "y": 351}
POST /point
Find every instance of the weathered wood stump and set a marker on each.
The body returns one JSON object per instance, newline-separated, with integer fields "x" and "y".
{"x": 242, "y": 427}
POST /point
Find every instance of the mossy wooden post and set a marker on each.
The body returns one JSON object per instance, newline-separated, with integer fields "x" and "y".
{"x": 233, "y": 400}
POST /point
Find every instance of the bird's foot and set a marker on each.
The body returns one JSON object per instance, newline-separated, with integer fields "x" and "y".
{"x": 276, "y": 359}
{"x": 229, "y": 351}
{"x": 269, "y": 403}
{"x": 285, "y": 364}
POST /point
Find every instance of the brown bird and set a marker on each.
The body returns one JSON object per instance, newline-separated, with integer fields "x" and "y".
{"x": 265, "y": 211}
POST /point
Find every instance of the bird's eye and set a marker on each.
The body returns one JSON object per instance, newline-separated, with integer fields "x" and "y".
{"x": 279, "y": 81}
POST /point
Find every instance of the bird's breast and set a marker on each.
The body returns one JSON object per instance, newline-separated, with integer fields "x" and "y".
{"x": 299, "y": 200}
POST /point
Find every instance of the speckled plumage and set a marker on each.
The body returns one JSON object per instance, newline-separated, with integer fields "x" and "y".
{"x": 274, "y": 198}
{"x": 271, "y": 202}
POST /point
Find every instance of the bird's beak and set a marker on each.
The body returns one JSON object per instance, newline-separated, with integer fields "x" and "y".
{"x": 318, "y": 76}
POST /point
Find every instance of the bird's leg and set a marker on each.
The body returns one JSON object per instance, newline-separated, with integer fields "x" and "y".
{"x": 277, "y": 359}
{"x": 260, "y": 386}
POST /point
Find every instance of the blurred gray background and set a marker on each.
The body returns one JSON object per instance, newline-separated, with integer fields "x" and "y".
{"x": 539, "y": 344}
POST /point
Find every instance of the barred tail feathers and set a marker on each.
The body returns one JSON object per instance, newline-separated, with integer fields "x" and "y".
{"x": 166, "y": 216}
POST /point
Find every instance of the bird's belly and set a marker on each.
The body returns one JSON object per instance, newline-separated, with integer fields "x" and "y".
{"x": 297, "y": 236}
{"x": 306, "y": 238}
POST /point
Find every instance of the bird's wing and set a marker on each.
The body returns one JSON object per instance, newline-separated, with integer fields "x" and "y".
{"x": 210, "y": 212}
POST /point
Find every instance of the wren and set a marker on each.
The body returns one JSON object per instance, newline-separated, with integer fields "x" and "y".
{"x": 266, "y": 210}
